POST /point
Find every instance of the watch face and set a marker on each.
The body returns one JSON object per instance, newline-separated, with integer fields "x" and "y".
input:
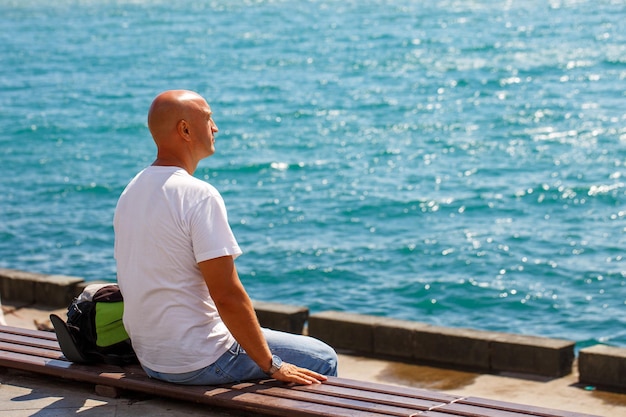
{"x": 276, "y": 362}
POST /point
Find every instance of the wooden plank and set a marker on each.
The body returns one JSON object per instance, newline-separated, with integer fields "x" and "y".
{"x": 28, "y": 332}
{"x": 31, "y": 350}
{"x": 374, "y": 397}
{"x": 528, "y": 409}
{"x": 478, "y": 407}
{"x": 467, "y": 410}
{"x": 394, "y": 390}
{"x": 29, "y": 341}
{"x": 54, "y": 367}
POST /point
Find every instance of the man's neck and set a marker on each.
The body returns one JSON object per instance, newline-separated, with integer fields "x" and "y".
{"x": 173, "y": 162}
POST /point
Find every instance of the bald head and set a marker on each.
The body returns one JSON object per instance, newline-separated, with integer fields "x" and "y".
{"x": 182, "y": 128}
{"x": 168, "y": 109}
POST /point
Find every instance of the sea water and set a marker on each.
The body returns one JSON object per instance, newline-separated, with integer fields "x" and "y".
{"x": 457, "y": 162}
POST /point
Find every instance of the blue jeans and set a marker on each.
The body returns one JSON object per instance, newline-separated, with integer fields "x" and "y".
{"x": 235, "y": 365}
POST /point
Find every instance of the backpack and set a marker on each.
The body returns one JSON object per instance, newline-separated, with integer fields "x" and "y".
{"x": 94, "y": 331}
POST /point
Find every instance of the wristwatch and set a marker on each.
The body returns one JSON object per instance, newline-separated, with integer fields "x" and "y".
{"x": 277, "y": 363}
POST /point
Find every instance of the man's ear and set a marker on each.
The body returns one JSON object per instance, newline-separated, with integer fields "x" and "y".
{"x": 183, "y": 129}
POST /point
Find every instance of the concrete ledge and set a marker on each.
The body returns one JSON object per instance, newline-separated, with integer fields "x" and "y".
{"x": 31, "y": 288}
{"x": 287, "y": 318}
{"x": 604, "y": 366}
{"x": 423, "y": 343}
{"x": 532, "y": 354}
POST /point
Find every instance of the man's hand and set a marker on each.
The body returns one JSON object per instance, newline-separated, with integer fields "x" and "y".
{"x": 296, "y": 375}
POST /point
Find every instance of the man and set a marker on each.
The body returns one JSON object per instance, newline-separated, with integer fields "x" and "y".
{"x": 186, "y": 311}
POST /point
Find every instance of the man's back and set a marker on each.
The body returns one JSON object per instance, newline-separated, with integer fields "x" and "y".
{"x": 165, "y": 223}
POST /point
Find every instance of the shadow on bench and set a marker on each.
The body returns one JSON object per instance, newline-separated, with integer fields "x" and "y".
{"x": 39, "y": 352}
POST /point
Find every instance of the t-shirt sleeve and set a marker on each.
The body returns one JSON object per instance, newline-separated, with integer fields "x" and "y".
{"x": 211, "y": 235}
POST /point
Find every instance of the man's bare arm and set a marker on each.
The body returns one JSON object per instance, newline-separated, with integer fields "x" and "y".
{"x": 236, "y": 310}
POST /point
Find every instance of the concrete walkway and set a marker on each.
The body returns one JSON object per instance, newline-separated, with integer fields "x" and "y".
{"x": 23, "y": 394}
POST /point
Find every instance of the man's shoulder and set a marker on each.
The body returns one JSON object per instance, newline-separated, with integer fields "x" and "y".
{"x": 199, "y": 184}
{"x": 194, "y": 190}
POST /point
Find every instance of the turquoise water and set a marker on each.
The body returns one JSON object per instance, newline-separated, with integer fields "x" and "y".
{"x": 460, "y": 163}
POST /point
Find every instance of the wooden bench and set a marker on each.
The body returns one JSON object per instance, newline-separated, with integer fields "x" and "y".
{"x": 39, "y": 352}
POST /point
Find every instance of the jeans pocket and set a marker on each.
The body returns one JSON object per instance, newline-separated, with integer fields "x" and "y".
{"x": 214, "y": 375}
{"x": 235, "y": 349}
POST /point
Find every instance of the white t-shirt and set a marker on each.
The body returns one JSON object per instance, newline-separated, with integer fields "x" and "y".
{"x": 166, "y": 222}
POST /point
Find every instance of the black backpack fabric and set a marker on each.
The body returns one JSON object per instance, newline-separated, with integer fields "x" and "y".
{"x": 94, "y": 331}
